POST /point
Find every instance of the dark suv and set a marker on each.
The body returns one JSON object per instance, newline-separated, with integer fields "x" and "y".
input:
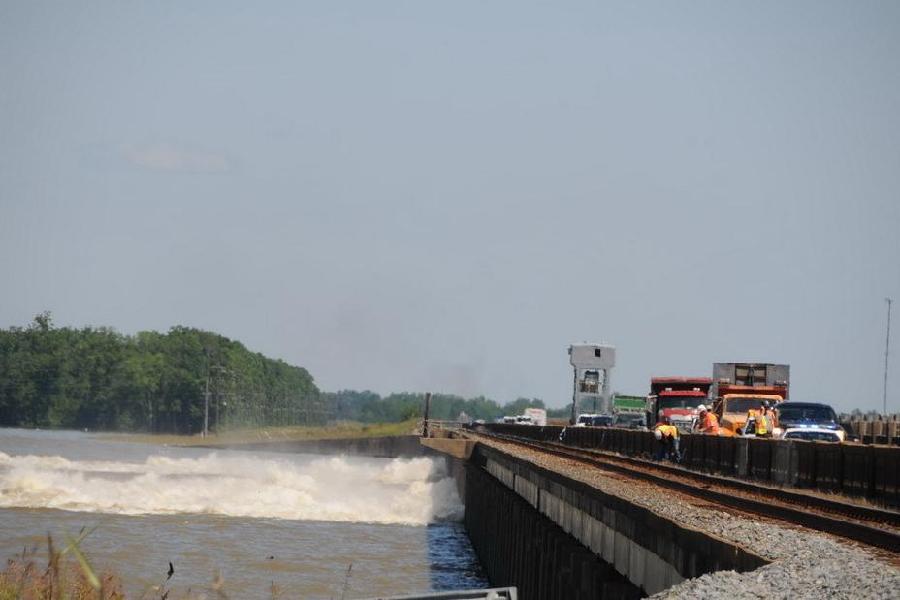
{"x": 630, "y": 421}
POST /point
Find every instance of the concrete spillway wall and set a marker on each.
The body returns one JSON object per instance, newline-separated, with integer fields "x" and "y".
{"x": 395, "y": 446}
{"x": 649, "y": 551}
{"x": 517, "y": 546}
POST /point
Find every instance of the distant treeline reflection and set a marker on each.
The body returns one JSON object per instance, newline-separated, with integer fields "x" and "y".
{"x": 97, "y": 378}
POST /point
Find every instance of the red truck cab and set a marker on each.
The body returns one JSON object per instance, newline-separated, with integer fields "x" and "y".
{"x": 676, "y": 399}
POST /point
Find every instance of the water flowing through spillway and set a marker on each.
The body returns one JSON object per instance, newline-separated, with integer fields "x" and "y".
{"x": 254, "y": 518}
{"x": 410, "y": 491}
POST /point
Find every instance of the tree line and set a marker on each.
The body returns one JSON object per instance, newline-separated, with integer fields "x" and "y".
{"x": 369, "y": 407}
{"x": 98, "y": 378}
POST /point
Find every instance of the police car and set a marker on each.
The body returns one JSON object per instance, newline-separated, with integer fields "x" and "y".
{"x": 809, "y": 420}
{"x": 813, "y": 434}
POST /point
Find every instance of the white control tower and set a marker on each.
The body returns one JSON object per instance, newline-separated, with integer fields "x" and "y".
{"x": 592, "y": 364}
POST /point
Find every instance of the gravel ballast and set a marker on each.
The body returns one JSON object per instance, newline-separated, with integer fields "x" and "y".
{"x": 805, "y": 564}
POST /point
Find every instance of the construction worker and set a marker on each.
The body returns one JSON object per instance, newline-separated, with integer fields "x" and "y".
{"x": 667, "y": 442}
{"x": 708, "y": 421}
{"x": 759, "y": 419}
{"x": 768, "y": 416}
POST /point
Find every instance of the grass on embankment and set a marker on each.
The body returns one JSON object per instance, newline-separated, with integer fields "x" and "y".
{"x": 341, "y": 430}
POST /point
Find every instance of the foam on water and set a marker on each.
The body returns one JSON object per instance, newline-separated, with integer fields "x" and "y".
{"x": 413, "y": 491}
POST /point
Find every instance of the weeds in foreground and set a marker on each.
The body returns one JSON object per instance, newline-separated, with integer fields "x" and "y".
{"x": 61, "y": 579}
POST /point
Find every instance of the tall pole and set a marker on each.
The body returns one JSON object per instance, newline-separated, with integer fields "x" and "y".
{"x": 887, "y": 347}
{"x": 607, "y": 409}
{"x": 206, "y": 406}
{"x": 427, "y": 410}
{"x": 574, "y": 393}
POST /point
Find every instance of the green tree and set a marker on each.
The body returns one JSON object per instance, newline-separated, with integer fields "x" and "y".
{"x": 99, "y": 379}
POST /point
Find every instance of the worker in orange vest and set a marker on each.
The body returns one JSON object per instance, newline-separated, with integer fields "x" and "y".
{"x": 667, "y": 439}
{"x": 708, "y": 421}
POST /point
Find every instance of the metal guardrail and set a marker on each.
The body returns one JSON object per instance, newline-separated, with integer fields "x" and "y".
{"x": 438, "y": 425}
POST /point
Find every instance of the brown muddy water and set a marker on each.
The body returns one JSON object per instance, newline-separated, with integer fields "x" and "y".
{"x": 255, "y": 518}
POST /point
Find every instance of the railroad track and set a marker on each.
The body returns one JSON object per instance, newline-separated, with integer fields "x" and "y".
{"x": 866, "y": 525}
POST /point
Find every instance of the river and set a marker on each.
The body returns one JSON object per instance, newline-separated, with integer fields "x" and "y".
{"x": 314, "y": 526}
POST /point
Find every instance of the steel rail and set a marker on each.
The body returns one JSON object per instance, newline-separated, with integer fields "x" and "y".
{"x": 792, "y": 497}
{"x": 866, "y": 533}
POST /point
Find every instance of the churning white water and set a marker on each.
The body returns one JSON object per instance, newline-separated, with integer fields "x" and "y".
{"x": 410, "y": 491}
{"x": 254, "y": 518}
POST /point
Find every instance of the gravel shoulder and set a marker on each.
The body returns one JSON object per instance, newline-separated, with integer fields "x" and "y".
{"x": 805, "y": 564}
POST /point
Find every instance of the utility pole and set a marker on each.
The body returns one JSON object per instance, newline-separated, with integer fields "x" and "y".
{"x": 887, "y": 346}
{"x": 209, "y": 369}
{"x": 220, "y": 370}
{"x": 574, "y": 394}
{"x": 206, "y": 405}
{"x": 427, "y": 409}
{"x": 604, "y": 390}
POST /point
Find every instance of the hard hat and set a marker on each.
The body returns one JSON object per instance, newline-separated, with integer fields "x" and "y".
{"x": 658, "y": 434}
{"x": 702, "y": 408}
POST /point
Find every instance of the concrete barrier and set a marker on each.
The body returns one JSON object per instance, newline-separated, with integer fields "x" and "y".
{"x": 852, "y": 469}
{"x": 806, "y": 464}
{"x": 710, "y": 453}
{"x": 829, "y": 466}
{"x": 457, "y": 448}
{"x": 691, "y": 452}
{"x": 517, "y": 545}
{"x": 652, "y": 552}
{"x": 742, "y": 457}
{"x": 858, "y": 473}
{"x": 760, "y": 459}
{"x": 887, "y": 475}
{"x": 727, "y": 450}
{"x": 783, "y": 458}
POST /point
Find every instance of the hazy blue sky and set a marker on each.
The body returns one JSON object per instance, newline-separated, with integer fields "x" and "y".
{"x": 443, "y": 196}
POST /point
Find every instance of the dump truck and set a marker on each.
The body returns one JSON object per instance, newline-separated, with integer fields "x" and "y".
{"x": 741, "y": 387}
{"x": 629, "y": 412}
{"x": 676, "y": 399}
{"x": 628, "y": 404}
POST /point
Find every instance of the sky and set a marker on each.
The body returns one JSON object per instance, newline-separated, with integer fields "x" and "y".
{"x": 414, "y": 196}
